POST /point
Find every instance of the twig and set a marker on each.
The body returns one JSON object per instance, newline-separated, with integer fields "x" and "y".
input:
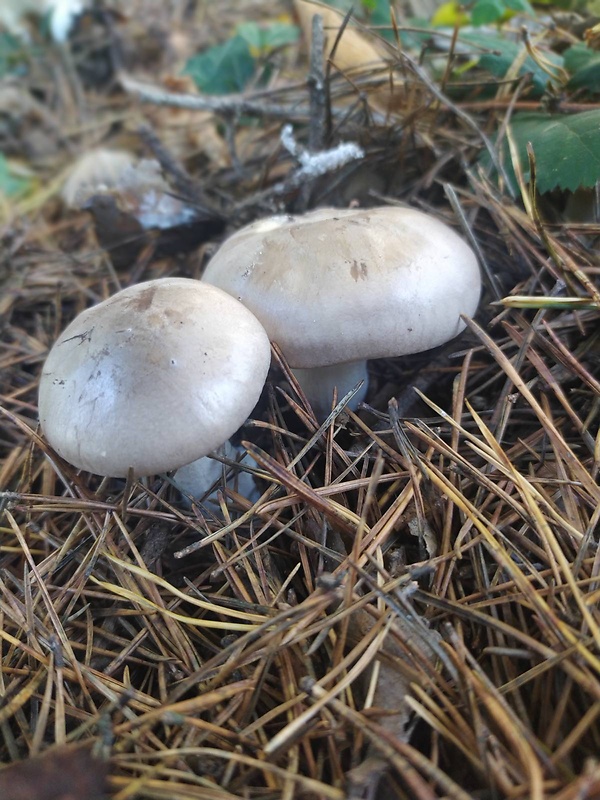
{"x": 312, "y": 165}
{"x": 318, "y": 133}
{"x": 228, "y": 106}
{"x": 184, "y": 184}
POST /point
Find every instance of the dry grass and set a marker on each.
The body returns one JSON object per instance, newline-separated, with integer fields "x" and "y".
{"x": 436, "y": 558}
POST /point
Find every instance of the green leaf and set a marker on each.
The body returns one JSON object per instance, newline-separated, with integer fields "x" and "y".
{"x": 379, "y": 12}
{"x": 449, "y": 15}
{"x": 487, "y": 11}
{"x": 521, "y": 6}
{"x": 341, "y": 5}
{"x": 505, "y": 53}
{"x": 223, "y": 69}
{"x": 12, "y": 185}
{"x": 584, "y": 66}
{"x": 12, "y": 55}
{"x": 566, "y": 148}
{"x": 264, "y": 38}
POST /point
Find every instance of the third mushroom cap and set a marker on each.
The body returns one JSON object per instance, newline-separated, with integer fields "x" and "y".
{"x": 335, "y": 287}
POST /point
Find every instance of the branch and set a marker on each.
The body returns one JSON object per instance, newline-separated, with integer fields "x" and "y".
{"x": 227, "y": 106}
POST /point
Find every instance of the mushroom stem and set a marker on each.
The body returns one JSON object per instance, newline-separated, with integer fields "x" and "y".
{"x": 318, "y": 384}
{"x": 196, "y": 479}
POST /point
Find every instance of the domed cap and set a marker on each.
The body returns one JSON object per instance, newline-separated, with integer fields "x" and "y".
{"x": 153, "y": 378}
{"x": 336, "y": 285}
{"x": 100, "y": 169}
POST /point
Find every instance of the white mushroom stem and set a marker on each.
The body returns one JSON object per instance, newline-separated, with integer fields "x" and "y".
{"x": 318, "y": 384}
{"x": 196, "y": 479}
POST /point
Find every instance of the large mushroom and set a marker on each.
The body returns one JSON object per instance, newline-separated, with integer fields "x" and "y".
{"x": 153, "y": 378}
{"x": 336, "y": 287}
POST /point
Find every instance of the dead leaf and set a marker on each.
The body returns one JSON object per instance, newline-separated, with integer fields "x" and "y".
{"x": 65, "y": 773}
{"x": 184, "y": 131}
{"x": 393, "y": 674}
{"x": 356, "y": 52}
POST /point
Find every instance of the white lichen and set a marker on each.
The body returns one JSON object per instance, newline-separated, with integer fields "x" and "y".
{"x": 312, "y": 165}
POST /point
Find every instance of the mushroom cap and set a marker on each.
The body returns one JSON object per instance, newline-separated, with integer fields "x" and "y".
{"x": 337, "y": 285}
{"x": 153, "y": 378}
{"x": 100, "y": 169}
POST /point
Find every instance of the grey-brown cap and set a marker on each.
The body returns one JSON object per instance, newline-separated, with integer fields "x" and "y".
{"x": 335, "y": 285}
{"x": 156, "y": 376}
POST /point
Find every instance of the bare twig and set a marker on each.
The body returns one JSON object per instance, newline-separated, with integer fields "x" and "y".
{"x": 318, "y": 92}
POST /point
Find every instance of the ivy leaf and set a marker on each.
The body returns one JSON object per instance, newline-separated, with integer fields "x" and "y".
{"x": 224, "y": 69}
{"x": 566, "y": 148}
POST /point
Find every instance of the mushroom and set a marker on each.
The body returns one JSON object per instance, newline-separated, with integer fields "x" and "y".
{"x": 134, "y": 208}
{"x": 99, "y": 169}
{"x": 196, "y": 479}
{"x": 153, "y": 378}
{"x": 61, "y": 16}
{"x": 336, "y": 287}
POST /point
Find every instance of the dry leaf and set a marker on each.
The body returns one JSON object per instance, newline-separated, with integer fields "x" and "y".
{"x": 392, "y": 672}
{"x": 184, "y": 131}
{"x": 65, "y": 773}
{"x": 394, "y": 678}
{"x": 356, "y": 53}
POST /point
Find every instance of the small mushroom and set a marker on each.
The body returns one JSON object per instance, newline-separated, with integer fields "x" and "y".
{"x": 153, "y": 378}
{"x": 100, "y": 169}
{"x": 134, "y": 208}
{"x": 336, "y": 287}
{"x": 61, "y": 16}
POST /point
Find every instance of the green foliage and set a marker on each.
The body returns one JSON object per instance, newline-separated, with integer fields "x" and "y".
{"x": 519, "y": 6}
{"x": 566, "y": 148}
{"x": 222, "y": 69}
{"x": 12, "y": 185}
{"x": 343, "y": 5}
{"x": 12, "y": 54}
{"x": 264, "y": 38}
{"x": 505, "y": 54}
{"x": 481, "y": 12}
{"x": 229, "y": 67}
{"x": 487, "y": 12}
{"x": 584, "y": 66}
{"x": 377, "y": 12}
